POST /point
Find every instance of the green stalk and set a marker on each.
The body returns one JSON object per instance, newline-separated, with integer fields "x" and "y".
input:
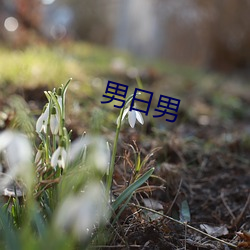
{"x": 47, "y": 138}
{"x": 65, "y": 87}
{"x": 112, "y": 164}
{"x": 54, "y": 142}
{"x": 139, "y": 82}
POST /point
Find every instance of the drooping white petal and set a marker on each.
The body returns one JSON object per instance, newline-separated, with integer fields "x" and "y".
{"x": 59, "y": 157}
{"x": 101, "y": 155}
{"x": 62, "y": 161}
{"x": 18, "y": 156}
{"x": 132, "y": 118}
{"x": 41, "y": 124}
{"x": 125, "y": 112}
{"x": 44, "y": 127}
{"x": 19, "y": 151}
{"x": 79, "y": 214}
{"x": 5, "y": 139}
{"x": 139, "y": 117}
{"x": 46, "y": 112}
{"x": 98, "y": 152}
{"x": 54, "y": 124}
{"x": 123, "y": 115}
{"x": 77, "y": 148}
{"x": 55, "y": 156}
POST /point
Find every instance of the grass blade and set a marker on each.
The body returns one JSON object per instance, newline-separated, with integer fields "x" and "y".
{"x": 128, "y": 191}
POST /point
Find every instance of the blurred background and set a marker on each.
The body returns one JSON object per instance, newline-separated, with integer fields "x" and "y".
{"x": 212, "y": 34}
{"x": 193, "y": 50}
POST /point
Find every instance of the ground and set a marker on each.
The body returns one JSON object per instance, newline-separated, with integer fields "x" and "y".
{"x": 201, "y": 161}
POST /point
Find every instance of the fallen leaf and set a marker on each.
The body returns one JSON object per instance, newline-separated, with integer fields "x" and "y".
{"x": 152, "y": 204}
{"x": 245, "y": 236}
{"x": 155, "y": 205}
{"x": 183, "y": 208}
{"x": 215, "y": 231}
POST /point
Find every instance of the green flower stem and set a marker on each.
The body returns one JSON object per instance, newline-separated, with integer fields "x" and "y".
{"x": 54, "y": 142}
{"x": 65, "y": 87}
{"x": 139, "y": 82}
{"x": 112, "y": 164}
{"x": 47, "y": 137}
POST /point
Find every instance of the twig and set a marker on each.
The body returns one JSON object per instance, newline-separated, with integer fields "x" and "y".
{"x": 227, "y": 207}
{"x": 185, "y": 242}
{"x": 239, "y": 217}
{"x": 173, "y": 202}
{"x": 183, "y": 224}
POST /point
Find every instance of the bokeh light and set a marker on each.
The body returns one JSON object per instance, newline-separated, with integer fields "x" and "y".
{"x": 11, "y": 24}
{"x": 58, "y": 31}
{"x": 48, "y": 2}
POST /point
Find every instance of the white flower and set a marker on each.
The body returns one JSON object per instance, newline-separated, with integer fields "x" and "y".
{"x": 98, "y": 152}
{"x": 79, "y": 214}
{"x": 17, "y": 152}
{"x": 59, "y": 157}
{"x": 54, "y": 121}
{"x": 132, "y": 117}
{"x": 42, "y": 122}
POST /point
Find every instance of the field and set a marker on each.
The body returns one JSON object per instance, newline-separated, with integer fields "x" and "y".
{"x": 201, "y": 177}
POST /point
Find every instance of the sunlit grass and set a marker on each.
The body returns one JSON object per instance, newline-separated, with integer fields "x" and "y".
{"x": 37, "y": 65}
{"x": 43, "y": 64}
{"x": 90, "y": 66}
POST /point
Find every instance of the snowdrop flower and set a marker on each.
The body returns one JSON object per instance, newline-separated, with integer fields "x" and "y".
{"x": 54, "y": 121}
{"x": 17, "y": 152}
{"x": 59, "y": 157}
{"x": 42, "y": 122}
{"x": 77, "y": 149}
{"x": 132, "y": 117}
{"x": 98, "y": 152}
{"x": 79, "y": 214}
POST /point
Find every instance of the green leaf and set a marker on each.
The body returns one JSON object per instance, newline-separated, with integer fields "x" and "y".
{"x": 129, "y": 190}
{"x": 122, "y": 209}
{"x": 65, "y": 87}
{"x": 39, "y": 222}
{"x": 185, "y": 212}
{"x": 139, "y": 82}
{"x": 138, "y": 163}
{"x": 10, "y": 236}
